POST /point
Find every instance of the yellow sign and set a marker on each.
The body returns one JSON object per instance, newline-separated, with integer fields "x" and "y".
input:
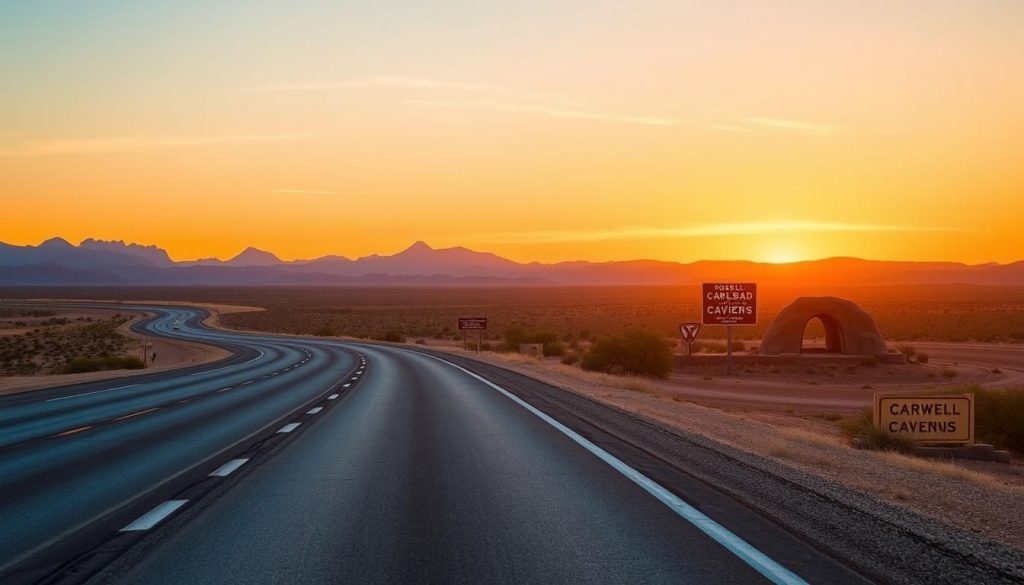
{"x": 927, "y": 418}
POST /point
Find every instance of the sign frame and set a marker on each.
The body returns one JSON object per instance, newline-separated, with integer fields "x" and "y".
{"x": 883, "y": 419}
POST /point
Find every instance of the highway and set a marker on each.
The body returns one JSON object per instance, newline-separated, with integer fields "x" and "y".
{"x": 313, "y": 461}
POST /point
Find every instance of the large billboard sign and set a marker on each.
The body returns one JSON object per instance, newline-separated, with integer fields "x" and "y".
{"x": 472, "y": 323}
{"x": 729, "y": 303}
{"x": 924, "y": 418}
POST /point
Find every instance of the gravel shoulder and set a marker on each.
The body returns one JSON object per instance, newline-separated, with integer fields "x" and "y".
{"x": 896, "y": 518}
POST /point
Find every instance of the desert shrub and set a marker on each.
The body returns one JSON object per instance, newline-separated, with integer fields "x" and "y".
{"x": 907, "y": 350}
{"x": 325, "y": 331}
{"x": 869, "y": 361}
{"x": 515, "y": 335}
{"x": 570, "y": 358}
{"x": 89, "y": 364}
{"x": 921, "y": 358}
{"x": 633, "y": 352}
{"x": 392, "y": 335}
{"x": 421, "y": 342}
{"x": 999, "y": 417}
{"x": 862, "y": 430}
{"x": 949, "y": 373}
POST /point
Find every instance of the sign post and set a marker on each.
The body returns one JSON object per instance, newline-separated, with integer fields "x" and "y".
{"x": 927, "y": 418}
{"x": 689, "y": 332}
{"x": 478, "y": 324}
{"x": 729, "y": 303}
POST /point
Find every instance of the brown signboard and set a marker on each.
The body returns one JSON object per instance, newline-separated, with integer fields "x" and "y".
{"x": 927, "y": 418}
{"x": 472, "y": 323}
{"x": 729, "y": 303}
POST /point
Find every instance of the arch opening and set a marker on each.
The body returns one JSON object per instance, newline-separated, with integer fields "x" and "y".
{"x": 822, "y": 333}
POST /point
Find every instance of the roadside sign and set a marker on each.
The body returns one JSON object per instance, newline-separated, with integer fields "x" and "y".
{"x": 689, "y": 331}
{"x": 729, "y": 303}
{"x": 472, "y": 323}
{"x": 927, "y": 418}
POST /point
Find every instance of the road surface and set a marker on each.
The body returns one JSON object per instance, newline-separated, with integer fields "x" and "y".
{"x": 311, "y": 461}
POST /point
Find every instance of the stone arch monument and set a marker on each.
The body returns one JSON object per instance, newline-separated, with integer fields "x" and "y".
{"x": 848, "y": 329}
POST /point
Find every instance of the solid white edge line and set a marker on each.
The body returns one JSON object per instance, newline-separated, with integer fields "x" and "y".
{"x": 93, "y": 392}
{"x": 720, "y": 534}
{"x": 226, "y": 469}
{"x": 154, "y": 516}
{"x": 288, "y": 428}
{"x": 315, "y": 410}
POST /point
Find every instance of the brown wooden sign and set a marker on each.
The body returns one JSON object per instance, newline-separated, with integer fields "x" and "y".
{"x": 729, "y": 303}
{"x": 927, "y": 418}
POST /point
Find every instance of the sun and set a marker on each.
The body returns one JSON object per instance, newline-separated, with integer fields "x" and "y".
{"x": 782, "y": 255}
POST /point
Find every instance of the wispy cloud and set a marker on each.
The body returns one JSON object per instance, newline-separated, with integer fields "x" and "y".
{"x": 809, "y": 128}
{"x": 763, "y": 125}
{"x": 759, "y": 228}
{"x": 320, "y": 192}
{"x": 381, "y": 81}
{"x": 551, "y": 111}
{"x": 125, "y": 144}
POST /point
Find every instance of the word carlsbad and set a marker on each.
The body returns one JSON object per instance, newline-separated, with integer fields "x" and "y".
{"x": 729, "y": 303}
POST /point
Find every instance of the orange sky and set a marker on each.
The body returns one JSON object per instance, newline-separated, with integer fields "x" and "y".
{"x": 540, "y": 131}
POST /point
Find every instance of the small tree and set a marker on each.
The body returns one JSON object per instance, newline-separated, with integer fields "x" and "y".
{"x": 634, "y": 352}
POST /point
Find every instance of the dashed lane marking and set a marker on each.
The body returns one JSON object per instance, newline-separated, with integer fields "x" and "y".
{"x": 139, "y": 413}
{"x": 154, "y": 516}
{"x": 288, "y": 427}
{"x": 315, "y": 410}
{"x": 226, "y": 469}
{"x": 332, "y": 397}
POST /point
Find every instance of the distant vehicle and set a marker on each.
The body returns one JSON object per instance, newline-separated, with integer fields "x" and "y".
{"x": 177, "y": 325}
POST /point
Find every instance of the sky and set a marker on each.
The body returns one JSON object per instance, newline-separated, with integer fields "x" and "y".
{"x": 549, "y": 130}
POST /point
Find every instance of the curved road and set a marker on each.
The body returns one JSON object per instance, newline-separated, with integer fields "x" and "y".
{"x": 311, "y": 461}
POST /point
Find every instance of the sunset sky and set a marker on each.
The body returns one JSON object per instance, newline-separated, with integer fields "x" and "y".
{"x": 551, "y": 130}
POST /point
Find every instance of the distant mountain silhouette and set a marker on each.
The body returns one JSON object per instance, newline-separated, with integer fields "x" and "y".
{"x": 98, "y": 263}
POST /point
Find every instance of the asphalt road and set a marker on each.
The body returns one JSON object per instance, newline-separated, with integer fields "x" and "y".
{"x": 310, "y": 461}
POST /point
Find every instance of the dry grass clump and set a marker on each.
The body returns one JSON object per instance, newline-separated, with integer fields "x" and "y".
{"x": 938, "y": 467}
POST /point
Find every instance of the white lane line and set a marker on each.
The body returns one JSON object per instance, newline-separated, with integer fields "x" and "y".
{"x": 93, "y": 392}
{"x": 231, "y": 366}
{"x": 345, "y": 385}
{"x": 288, "y": 427}
{"x": 249, "y": 382}
{"x": 226, "y": 469}
{"x": 224, "y": 389}
{"x": 315, "y": 410}
{"x": 354, "y": 378}
{"x": 154, "y": 516}
{"x": 757, "y": 560}
{"x": 332, "y": 397}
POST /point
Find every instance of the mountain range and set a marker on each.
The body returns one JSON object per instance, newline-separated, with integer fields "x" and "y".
{"x": 93, "y": 262}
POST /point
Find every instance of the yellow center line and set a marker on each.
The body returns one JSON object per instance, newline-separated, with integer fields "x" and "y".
{"x": 137, "y": 413}
{"x": 73, "y": 431}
